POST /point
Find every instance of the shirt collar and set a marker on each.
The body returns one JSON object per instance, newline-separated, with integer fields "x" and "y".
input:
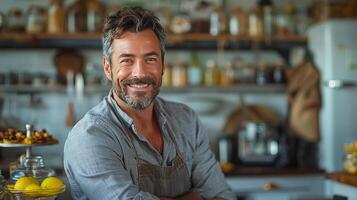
{"x": 129, "y": 122}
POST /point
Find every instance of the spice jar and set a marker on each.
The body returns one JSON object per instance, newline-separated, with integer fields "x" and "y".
{"x": 55, "y": 17}
{"x": 36, "y": 19}
{"x": 179, "y": 75}
{"x": 16, "y": 20}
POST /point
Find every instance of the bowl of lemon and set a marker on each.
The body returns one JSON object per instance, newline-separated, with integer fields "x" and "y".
{"x": 29, "y": 188}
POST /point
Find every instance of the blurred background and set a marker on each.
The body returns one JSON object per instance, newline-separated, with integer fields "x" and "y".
{"x": 273, "y": 81}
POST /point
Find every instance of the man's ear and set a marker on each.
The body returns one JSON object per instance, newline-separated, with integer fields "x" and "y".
{"x": 107, "y": 69}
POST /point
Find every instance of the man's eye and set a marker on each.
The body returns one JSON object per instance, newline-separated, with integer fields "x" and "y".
{"x": 125, "y": 61}
{"x": 151, "y": 59}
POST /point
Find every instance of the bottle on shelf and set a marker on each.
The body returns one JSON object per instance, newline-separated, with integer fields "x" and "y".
{"x": 16, "y": 20}
{"x": 255, "y": 22}
{"x": 279, "y": 73}
{"x": 238, "y": 21}
{"x": 268, "y": 17}
{"x": 194, "y": 70}
{"x": 55, "y": 17}
{"x": 218, "y": 21}
{"x": 95, "y": 16}
{"x": 264, "y": 74}
{"x": 226, "y": 74}
{"x": 285, "y": 22}
{"x": 36, "y": 19}
{"x": 212, "y": 74}
{"x": 77, "y": 17}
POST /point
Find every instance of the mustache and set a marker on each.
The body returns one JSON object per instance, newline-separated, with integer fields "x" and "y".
{"x": 144, "y": 80}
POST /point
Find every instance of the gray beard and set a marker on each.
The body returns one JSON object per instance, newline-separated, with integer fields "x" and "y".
{"x": 138, "y": 105}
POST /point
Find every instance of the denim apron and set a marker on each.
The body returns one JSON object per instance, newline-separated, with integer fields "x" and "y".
{"x": 162, "y": 181}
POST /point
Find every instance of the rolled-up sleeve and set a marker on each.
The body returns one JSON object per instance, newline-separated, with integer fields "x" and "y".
{"x": 94, "y": 165}
{"x": 207, "y": 176}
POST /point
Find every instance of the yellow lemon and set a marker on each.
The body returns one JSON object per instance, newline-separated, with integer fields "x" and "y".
{"x": 24, "y": 181}
{"x": 33, "y": 190}
{"x": 52, "y": 183}
{"x": 51, "y": 186}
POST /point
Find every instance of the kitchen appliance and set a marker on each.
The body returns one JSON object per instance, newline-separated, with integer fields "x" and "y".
{"x": 257, "y": 143}
{"x": 333, "y": 45}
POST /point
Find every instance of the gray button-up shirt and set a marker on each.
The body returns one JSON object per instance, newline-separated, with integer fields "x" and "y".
{"x": 100, "y": 163}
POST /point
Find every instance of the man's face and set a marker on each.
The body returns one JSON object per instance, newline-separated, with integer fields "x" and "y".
{"x": 137, "y": 68}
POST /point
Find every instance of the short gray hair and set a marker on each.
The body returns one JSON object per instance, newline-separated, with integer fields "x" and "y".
{"x": 134, "y": 20}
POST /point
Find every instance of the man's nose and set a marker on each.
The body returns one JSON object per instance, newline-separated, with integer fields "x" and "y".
{"x": 139, "y": 68}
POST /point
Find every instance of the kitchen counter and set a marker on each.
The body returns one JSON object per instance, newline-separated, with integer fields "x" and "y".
{"x": 272, "y": 171}
{"x": 343, "y": 177}
{"x": 256, "y": 183}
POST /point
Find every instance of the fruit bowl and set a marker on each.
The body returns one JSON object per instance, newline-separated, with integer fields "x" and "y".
{"x": 41, "y": 194}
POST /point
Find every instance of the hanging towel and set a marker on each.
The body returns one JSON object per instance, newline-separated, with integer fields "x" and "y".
{"x": 304, "y": 102}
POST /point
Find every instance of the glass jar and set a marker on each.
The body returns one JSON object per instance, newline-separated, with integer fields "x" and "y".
{"x": 279, "y": 75}
{"x": 255, "y": 22}
{"x": 95, "y": 16}
{"x": 55, "y": 17}
{"x": 36, "y": 19}
{"x": 194, "y": 71}
{"x": 268, "y": 20}
{"x": 238, "y": 22}
{"x": 212, "y": 74}
{"x": 32, "y": 166}
{"x": 218, "y": 21}
{"x": 264, "y": 74}
{"x": 227, "y": 74}
{"x": 77, "y": 17}
{"x": 15, "y": 20}
{"x": 179, "y": 75}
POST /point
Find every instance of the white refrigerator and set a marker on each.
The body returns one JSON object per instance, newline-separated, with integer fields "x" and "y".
{"x": 333, "y": 44}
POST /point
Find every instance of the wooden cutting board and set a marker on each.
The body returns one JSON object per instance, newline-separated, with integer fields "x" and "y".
{"x": 68, "y": 60}
{"x": 343, "y": 177}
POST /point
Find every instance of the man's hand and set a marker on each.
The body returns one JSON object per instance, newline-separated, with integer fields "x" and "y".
{"x": 188, "y": 196}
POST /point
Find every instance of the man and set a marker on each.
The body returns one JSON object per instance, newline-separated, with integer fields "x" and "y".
{"x": 133, "y": 144}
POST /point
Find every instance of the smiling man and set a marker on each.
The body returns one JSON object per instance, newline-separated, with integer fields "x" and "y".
{"x": 133, "y": 144}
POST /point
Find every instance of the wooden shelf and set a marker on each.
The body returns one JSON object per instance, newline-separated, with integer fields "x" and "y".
{"x": 247, "y": 88}
{"x": 184, "y": 41}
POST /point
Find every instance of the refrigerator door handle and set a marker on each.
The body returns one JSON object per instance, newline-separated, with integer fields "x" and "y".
{"x": 340, "y": 84}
